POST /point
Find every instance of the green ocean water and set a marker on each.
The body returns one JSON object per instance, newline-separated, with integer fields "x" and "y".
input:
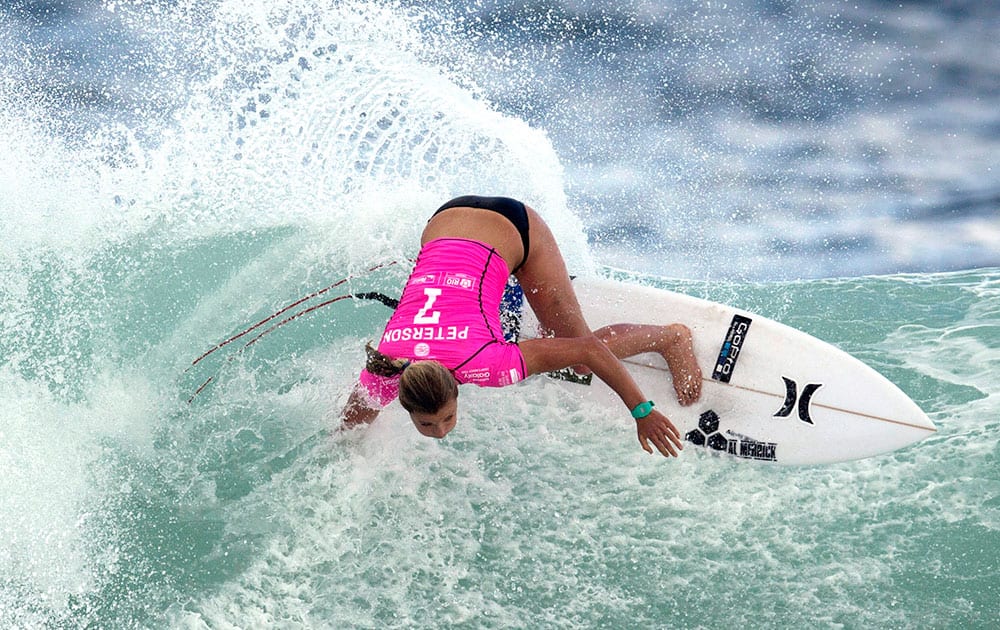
{"x": 141, "y": 487}
{"x": 125, "y": 505}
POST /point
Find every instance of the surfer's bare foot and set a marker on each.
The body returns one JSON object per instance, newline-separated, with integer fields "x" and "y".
{"x": 673, "y": 342}
{"x": 679, "y": 354}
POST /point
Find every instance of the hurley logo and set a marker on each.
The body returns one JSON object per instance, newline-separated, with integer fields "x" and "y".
{"x": 791, "y": 396}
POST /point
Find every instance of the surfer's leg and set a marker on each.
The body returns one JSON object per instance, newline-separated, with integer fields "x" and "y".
{"x": 549, "y": 291}
{"x": 674, "y": 343}
{"x": 547, "y": 286}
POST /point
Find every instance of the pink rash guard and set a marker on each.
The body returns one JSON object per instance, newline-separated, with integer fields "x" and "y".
{"x": 450, "y": 312}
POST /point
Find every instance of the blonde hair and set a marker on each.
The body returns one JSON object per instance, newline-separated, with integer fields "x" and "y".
{"x": 424, "y": 386}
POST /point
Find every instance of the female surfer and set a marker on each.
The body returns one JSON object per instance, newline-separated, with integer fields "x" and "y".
{"x": 446, "y": 329}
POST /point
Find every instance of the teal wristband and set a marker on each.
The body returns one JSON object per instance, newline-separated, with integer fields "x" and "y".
{"x": 642, "y": 410}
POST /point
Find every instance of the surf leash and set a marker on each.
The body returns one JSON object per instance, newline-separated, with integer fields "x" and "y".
{"x": 297, "y": 302}
{"x": 368, "y": 295}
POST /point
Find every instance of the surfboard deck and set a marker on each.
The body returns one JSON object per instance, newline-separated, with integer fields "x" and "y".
{"x": 771, "y": 393}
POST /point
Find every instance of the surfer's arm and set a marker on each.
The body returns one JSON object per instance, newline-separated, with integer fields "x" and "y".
{"x": 554, "y": 353}
{"x": 357, "y": 410}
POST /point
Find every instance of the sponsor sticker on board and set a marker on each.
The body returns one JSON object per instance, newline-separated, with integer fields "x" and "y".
{"x": 729, "y": 353}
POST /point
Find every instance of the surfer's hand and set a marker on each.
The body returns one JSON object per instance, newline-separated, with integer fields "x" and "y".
{"x": 656, "y": 428}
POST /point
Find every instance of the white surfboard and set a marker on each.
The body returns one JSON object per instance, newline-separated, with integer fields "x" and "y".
{"x": 770, "y": 393}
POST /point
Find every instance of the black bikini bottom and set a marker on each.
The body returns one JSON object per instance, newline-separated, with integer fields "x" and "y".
{"x": 513, "y": 209}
